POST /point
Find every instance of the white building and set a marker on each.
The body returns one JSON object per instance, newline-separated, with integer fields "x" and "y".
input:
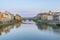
{"x": 59, "y": 17}
{"x": 50, "y": 17}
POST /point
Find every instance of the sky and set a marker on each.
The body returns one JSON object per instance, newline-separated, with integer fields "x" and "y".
{"x": 29, "y": 7}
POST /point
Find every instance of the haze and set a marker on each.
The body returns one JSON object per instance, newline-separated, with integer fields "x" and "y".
{"x": 29, "y": 8}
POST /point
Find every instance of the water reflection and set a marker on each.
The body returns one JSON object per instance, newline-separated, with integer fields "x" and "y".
{"x": 22, "y": 31}
{"x": 18, "y": 24}
{"x": 41, "y": 27}
{"x": 55, "y": 29}
{"x": 8, "y": 28}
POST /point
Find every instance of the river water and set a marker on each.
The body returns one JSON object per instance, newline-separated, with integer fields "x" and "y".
{"x": 29, "y": 30}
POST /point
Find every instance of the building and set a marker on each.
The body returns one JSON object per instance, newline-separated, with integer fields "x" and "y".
{"x": 6, "y": 16}
{"x": 38, "y": 17}
{"x": 18, "y": 17}
{"x": 56, "y": 16}
{"x": 42, "y": 16}
{"x": 1, "y": 15}
{"x": 12, "y": 16}
{"x": 50, "y": 17}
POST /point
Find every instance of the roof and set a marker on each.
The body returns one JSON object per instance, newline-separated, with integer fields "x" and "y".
{"x": 48, "y": 13}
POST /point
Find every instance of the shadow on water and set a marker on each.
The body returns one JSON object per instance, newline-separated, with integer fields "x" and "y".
{"x": 8, "y": 28}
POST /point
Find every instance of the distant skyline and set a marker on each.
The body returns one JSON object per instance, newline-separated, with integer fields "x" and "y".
{"x": 30, "y": 6}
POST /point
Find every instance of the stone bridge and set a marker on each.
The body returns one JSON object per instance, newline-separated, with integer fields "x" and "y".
{"x": 29, "y": 18}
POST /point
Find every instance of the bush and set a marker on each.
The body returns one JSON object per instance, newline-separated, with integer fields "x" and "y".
{"x": 57, "y": 24}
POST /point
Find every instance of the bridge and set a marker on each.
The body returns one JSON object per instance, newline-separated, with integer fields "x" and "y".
{"x": 29, "y": 18}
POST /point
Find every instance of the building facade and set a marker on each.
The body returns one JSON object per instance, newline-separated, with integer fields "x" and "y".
{"x": 55, "y": 16}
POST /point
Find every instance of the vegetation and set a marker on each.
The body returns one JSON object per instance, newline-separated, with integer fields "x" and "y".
{"x": 38, "y": 22}
{"x": 9, "y": 23}
{"x": 57, "y": 24}
{"x": 46, "y": 23}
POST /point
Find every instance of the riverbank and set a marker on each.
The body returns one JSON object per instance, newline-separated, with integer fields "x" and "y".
{"x": 9, "y": 23}
{"x": 46, "y": 23}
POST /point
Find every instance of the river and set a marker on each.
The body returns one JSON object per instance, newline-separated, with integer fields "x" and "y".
{"x": 29, "y": 30}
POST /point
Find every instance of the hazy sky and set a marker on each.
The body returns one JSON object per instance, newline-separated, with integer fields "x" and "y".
{"x": 30, "y": 6}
